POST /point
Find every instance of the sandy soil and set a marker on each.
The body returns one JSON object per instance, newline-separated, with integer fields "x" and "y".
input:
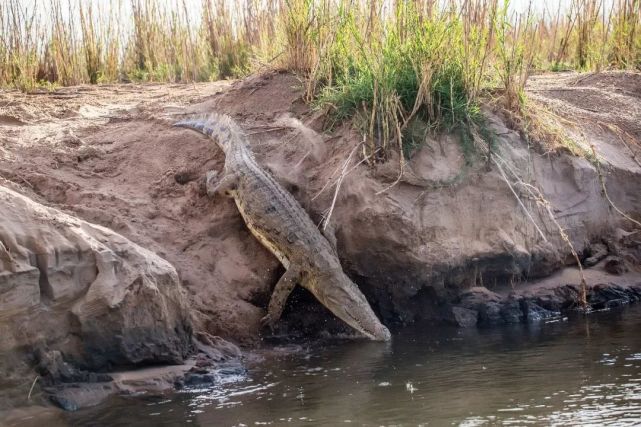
{"x": 109, "y": 155}
{"x": 604, "y": 109}
{"x": 604, "y": 99}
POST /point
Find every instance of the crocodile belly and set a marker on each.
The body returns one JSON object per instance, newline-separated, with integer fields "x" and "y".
{"x": 263, "y": 237}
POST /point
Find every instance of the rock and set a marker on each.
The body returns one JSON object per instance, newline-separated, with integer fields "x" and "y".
{"x": 598, "y": 251}
{"x": 55, "y": 369}
{"x": 87, "y": 152}
{"x": 511, "y": 311}
{"x": 485, "y": 302}
{"x": 493, "y": 309}
{"x": 535, "y": 313}
{"x": 77, "y": 396}
{"x": 567, "y": 296}
{"x": 611, "y": 295}
{"x": 464, "y": 317}
{"x": 203, "y": 361}
{"x": 629, "y": 239}
{"x": 207, "y": 375}
{"x": 490, "y": 314}
{"x": 550, "y": 300}
{"x": 478, "y": 296}
{"x": 52, "y": 366}
{"x": 216, "y": 348}
{"x": 64, "y": 403}
{"x": 615, "y": 265}
{"x": 232, "y": 370}
{"x": 153, "y": 379}
{"x": 83, "y": 295}
{"x": 184, "y": 176}
{"x": 193, "y": 379}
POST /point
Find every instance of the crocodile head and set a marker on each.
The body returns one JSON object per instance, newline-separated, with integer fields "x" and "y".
{"x": 343, "y": 298}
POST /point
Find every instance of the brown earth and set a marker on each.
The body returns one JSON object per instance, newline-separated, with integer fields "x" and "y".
{"x": 107, "y": 154}
{"x": 65, "y": 280}
{"x": 596, "y": 101}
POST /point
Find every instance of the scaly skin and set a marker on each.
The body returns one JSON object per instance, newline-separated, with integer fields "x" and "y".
{"x": 278, "y": 221}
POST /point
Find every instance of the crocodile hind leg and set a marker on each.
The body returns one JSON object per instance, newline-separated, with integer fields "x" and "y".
{"x": 283, "y": 288}
{"x": 227, "y": 183}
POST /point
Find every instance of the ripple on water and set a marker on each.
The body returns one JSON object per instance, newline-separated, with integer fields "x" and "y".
{"x": 584, "y": 371}
{"x": 595, "y": 404}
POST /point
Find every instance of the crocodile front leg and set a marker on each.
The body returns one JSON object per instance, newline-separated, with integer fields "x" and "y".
{"x": 227, "y": 183}
{"x": 283, "y": 288}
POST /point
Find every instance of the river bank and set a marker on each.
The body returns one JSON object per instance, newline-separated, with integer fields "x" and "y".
{"x": 448, "y": 244}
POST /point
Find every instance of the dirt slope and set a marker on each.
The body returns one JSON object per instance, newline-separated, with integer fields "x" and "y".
{"x": 108, "y": 155}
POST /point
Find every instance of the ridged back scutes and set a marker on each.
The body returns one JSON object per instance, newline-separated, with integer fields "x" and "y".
{"x": 220, "y": 127}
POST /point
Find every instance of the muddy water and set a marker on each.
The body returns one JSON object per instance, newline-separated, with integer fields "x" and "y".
{"x": 578, "y": 371}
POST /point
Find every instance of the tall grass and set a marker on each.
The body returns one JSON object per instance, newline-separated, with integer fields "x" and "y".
{"x": 74, "y": 41}
{"x": 67, "y": 42}
{"x": 399, "y": 67}
{"x": 19, "y": 54}
{"x": 391, "y": 66}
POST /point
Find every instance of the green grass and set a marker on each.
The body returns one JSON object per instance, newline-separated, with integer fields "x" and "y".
{"x": 398, "y": 77}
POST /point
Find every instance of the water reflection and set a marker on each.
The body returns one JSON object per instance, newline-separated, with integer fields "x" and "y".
{"x": 571, "y": 372}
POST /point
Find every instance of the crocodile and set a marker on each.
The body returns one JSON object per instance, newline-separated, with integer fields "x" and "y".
{"x": 280, "y": 223}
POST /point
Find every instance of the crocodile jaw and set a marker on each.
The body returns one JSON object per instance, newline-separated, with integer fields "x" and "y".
{"x": 343, "y": 298}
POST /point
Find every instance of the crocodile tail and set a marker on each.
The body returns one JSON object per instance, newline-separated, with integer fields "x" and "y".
{"x": 220, "y": 127}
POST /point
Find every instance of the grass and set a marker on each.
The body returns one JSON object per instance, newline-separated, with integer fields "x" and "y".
{"x": 397, "y": 68}
{"x": 136, "y": 40}
{"x": 393, "y": 66}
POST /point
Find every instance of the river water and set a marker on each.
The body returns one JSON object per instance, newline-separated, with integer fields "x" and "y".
{"x": 577, "y": 371}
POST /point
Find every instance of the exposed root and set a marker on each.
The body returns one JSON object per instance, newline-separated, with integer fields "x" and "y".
{"x": 537, "y": 195}
{"x": 605, "y": 191}
{"x": 341, "y": 177}
{"x": 33, "y": 384}
{"x": 564, "y": 236}
{"x": 518, "y": 199}
{"x": 401, "y": 160}
{"x": 331, "y": 183}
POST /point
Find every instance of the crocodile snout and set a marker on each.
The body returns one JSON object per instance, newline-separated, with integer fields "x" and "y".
{"x": 349, "y": 304}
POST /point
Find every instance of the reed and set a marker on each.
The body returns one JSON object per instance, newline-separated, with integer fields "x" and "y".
{"x": 71, "y": 41}
{"x": 398, "y": 68}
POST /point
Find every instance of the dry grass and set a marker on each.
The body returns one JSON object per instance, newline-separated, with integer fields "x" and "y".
{"x": 399, "y": 68}
{"x": 73, "y": 41}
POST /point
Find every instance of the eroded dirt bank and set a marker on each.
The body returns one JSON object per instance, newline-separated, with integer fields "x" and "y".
{"x": 450, "y": 242}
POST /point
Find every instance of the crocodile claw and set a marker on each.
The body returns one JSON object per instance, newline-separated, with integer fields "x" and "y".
{"x": 267, "y": 321}
{"x": 210, "y": 182}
